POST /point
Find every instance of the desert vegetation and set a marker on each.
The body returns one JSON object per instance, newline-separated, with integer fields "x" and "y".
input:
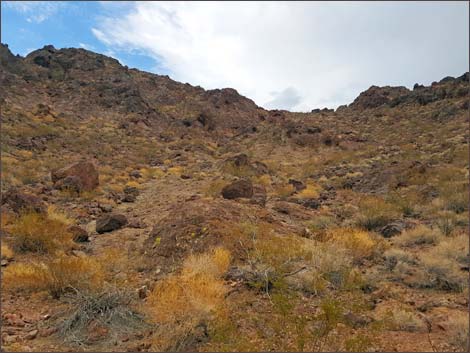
{"x": 159, "y": 216}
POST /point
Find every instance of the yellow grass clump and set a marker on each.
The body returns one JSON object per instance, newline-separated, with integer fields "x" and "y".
{"x": 37, "y": 233}
{"x": 55, "y": 275}
{"x": 7, "y": 253}
{"x": 312, "y": 191}
{"x": 196, "y": 292}
{"x": 360, "y": 244}
{"x": 418, "y": 236}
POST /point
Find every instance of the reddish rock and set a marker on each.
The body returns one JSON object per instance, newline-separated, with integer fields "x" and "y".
{"x": 85, "y": 172}
{"x": 22, "y": 202}
{"x": 239, "y": 188}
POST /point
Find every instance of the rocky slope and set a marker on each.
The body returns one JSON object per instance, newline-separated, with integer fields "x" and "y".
{"x": 329, "y": 230}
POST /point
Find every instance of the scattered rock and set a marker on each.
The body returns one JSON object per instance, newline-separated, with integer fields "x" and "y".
{"x": 110, "y": 222}
{"x": 298, "y": 185}
{"x": 31, "y": 335}
{"x": 85, "y": 171}
{"x": 391, "y": 229}
{"x": 237, "y": 189}
{"x": 135, "y": 174}
{"x": 20, "y": 202}
{"x": 105, "y": 207}
{"x": 130, "y": 194}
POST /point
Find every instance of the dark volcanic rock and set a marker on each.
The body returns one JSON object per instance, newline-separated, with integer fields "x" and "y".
{"x": 110, "y": 222}
{"x": 239, "y": 188}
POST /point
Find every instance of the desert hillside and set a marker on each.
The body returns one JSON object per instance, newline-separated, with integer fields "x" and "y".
{"x": 143, "y": 214}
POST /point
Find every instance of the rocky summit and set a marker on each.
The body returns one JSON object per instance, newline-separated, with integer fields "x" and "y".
{"x": 144, "y": 214}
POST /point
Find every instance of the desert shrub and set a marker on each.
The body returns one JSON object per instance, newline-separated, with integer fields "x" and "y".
{"x": 319, "y": 225}
{"x": 394, "y": 257}
{"x": 55, "y": 275}
{"x": 418, "y": 236}
{"x": 458, "y": 332}
{"x": 400, "y": 319}
{"x": 108, "y": 309}
{"x": 360, "y": 244}
{"x": 55, "y": 214}
{"x": 312, "y": 191}
{"x": 6, "y": 251}
{"x": 264, "y": 180}
{"x": 184, "y": 303}
{"x": 37, "y": 233}
{"x": 442, "y": 265}
{"x": 446, "y": 221}
{"x": 375, "y": 213}
{"x": 284, "y": 191}
{"x": 214, "y": 188}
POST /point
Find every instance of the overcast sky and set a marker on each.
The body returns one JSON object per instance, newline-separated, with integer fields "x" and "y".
{"x": 287, "y": 55}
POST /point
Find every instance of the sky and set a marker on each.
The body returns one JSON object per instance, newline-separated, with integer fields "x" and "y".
{"x": 284, "y": 55}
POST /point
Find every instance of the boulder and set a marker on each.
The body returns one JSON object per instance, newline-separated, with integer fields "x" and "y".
{"x": 110, "y": 222}
{"x": 84, "y": 171}
{"x": 237, "y": 189}
{"x": 79, "y": 234}
{"x": 22, "y": 202}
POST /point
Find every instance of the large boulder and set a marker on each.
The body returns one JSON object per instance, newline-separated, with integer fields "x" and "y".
{"x": 237, "y": 189}
{"x": 110, "y": 222}
{"x": 85, "y": 173}
{"x": 19, "y": 202}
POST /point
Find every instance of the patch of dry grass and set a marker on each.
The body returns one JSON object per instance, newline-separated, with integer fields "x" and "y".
{"x": 183, "y": 302}
{"x": 33, "y": 232}
{"x": 419, "y": 235}
{"x": 54, "y": 275}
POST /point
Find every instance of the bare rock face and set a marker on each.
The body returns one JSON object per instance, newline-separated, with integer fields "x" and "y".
{"x": 22, "y": 202}
{"x": 85, "y": 176}
{"x": 239, "y": 188}
{"x": 110, "y": 222}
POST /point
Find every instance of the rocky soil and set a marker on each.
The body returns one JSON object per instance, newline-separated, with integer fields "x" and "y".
{"x": 143, "y": 214}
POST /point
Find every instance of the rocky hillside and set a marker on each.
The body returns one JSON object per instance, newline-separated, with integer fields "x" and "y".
{"x": 196, "y": 220}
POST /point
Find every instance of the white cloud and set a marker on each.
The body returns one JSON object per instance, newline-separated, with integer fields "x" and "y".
{"x": 329, "y": 52}
{"x": 35, "y": 11}
{"x": 86, "y": 46}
